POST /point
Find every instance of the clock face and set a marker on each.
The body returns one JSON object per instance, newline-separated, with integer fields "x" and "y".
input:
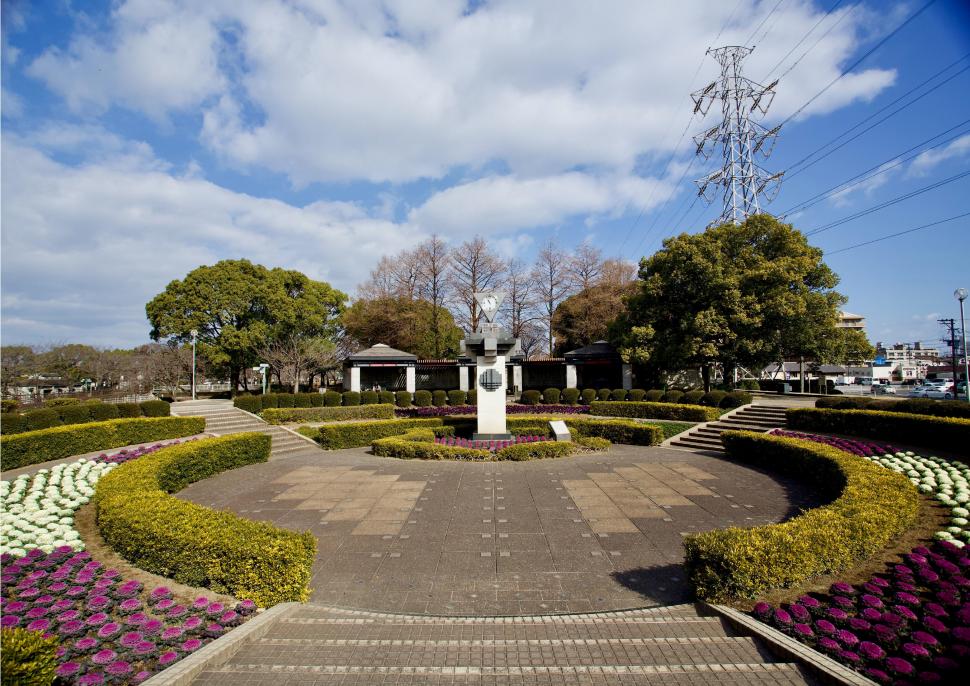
{"x": 489, "y": 303}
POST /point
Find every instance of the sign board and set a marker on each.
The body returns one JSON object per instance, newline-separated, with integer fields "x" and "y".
{"x": 559, "y": 430}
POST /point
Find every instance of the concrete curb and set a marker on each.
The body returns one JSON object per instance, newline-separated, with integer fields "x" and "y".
{"x": 218, "y": 652}
{"x": 827, "y": 670}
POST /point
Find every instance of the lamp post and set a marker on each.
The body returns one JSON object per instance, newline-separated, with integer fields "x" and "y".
{"x": 961, "y": 295}
{"x": 195, "y": 336}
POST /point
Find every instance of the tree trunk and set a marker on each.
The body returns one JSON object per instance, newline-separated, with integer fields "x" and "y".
{"x": 706, "y": 375}
{"x": 233, "y": 380}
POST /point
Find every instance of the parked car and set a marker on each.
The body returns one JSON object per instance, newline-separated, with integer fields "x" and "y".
{"x": 883, "y": 389}
{"x": 940, "y": 393}
{"x": 919, "y": 391}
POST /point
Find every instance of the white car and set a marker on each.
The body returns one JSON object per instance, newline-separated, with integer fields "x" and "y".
{"x": 939, "y": 392}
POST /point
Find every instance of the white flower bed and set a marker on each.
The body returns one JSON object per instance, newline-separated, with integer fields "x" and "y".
{"x": 38, "y": 511}
{"x": 948, "y": 481}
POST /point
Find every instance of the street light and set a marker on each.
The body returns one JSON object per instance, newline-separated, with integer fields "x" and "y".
{"x": 195, "y": 336}
{"x": 961, "y": 295}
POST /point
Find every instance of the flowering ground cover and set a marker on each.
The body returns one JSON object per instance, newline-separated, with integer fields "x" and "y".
{"x": 491, "y": 446}
{"x": 126, "y": 455}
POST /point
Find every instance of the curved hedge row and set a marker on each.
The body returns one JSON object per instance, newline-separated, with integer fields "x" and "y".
{"x": 360, "y": 434}
{"x": 79, "y": 413}
{"x": 327, "y": 414}
{"x": 944, "y": 433}
{"x": 197, "y": 545}
{"x": 934, "y": 408}
{"x": 418, "y": 444}
{"x": 20, "y": 450}
{"x": 648, "y": 410}
{"x": 871, "y": 505}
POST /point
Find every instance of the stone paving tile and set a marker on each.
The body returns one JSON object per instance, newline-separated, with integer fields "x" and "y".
{"x": 595, "y": 532}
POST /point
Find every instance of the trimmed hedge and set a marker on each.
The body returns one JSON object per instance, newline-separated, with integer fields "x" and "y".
{"x": 536, "y": 451}
{"x": 360, "y": 434}
{"x": 713, "y": 399}
{"x": 68, "y": 413}
{"x": 473, "y": 396}
{"x": 592, "y": 442}
{"x": 646, "y": 410}
{"x": 588, "y": 395}
{"x": 672, "y": 396}
{"x": 439, "y": 398}
{"x": 422, "y": 398}
{"x": 637, "y": 395}
{"x": 870, "y": 506}
{"x": 934, "y": 408}
{"x": 618, "y": 394}
{"x": 331, "y": 399}
{"x": 417, "y": 447}
{"x": 249, "y": 403}
{"x": 327, "y": 414}
{"x": 530, "y": 397}
{"x": 197, "y": 545}
{"x": 33, "y": 447}
{"x": 349, "y": 398}
{"x": 368, "y": 398}
{"x": 736, "y": 399}
{"x": 61, "y": 402}
{"x": 457, "y": 397}
{"x": 944, "y": 433}
{"x": 692, "y": 398}
{"x": 653, "y": 396}
{"x": 551, "y": 396}
{"x": 570, "y": 396}
{"x": 27, "y": 658}
{"x": 614, "y": 430}
{"x": 603, "y": 394}
{"x": 402, "y": 399}
{"x": 385, "y": 397}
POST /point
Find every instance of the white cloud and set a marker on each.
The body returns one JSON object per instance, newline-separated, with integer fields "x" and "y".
{"x": 877, "y": 180}
{"x": 925, "y": 162}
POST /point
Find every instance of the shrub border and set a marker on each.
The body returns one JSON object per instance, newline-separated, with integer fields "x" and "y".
{"x": 326, "y": 414}
{"x": 651, "y": 410}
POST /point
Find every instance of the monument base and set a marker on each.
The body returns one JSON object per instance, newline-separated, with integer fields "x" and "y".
{"x": 491, "y": 437}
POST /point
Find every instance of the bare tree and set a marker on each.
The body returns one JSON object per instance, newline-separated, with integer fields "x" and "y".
{"x": 393, "y": 277}
{"x": 433, "y": 265}
{"x": 292, "y": 356}
{"x": 617, "y": 273}
{"x": 585, "y": 266}
{"x": 551, "y": 275}
{"x": 473, "y": 269}
{"x": 164, "y": 365}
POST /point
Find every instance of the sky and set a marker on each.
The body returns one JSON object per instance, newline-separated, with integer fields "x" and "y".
{"x": 142, "y": 138}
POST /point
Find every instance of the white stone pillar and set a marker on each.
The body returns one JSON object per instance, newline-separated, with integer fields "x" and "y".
{"x": 491, "y": 404}
{"x": 409, "y": 379}
{"x": 463, "y": 378}
{"x": 517, "y": 377}
{"x": 354, "y": 378}
{"x": 571, "y": 376}
{"x": 628, "y": 376}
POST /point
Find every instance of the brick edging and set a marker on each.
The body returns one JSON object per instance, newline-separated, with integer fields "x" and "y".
{"x": 827, "y": 670}
{"x": 184, "y": 672}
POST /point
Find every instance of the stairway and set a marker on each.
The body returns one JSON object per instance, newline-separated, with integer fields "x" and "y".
{"x": 221, "y": 419}
{"x": 312, "y": 644}
{"x": 761, "y": 418}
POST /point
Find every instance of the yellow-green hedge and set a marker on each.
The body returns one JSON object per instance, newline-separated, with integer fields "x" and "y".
{"x": 197, "y": 545}
{"x": 943, "y": 433}
{"x": 419, "y": 444}
{"x": 871, "y": 505}
{"x": 648, "y": 410}
{"x": 283, "y": 415}
{"x": 624, "y": 431}
{"x": 32, "y": 447}
{"x": 27, "y": 658}
{"x": 359, "y": 434}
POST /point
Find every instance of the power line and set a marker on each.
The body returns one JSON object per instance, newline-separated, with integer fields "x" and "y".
{"x": 859, "y": 61}
{"x": 803, "y": 38}
{"x": 814, "y": 45}
{"x": 766, "y": 18}
{"x": 888, "y": 203}
{"x": 899, "y": 233}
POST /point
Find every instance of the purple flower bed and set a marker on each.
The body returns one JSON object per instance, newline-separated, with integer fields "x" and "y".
{"x": 123, "y": 456}
{"x": 849, "y": 445}
{"x": 471, "y": 409}
{"x": 491, "y": 446}
{"x": 911, "y": 624}
{"x": 106, "y": 634}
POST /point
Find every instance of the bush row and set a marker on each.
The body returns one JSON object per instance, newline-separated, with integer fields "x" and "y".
{"x": 78, "y": 413}
{"x": 257, "y": 403}
{"x": 34, "y": 447}
{"x": 935, "y": 408}
{"x": 360, "y": 434}
{"x": 327, "y": 414}
{"x": 418, "y": 444}
{"x": 572, "y": 396}
{"x": 648, "y": 410}
{"x": 944, "y": 433}
{"x": 197, "y": 545}
{"x": 870, "y": 506}
{"x": 28, "y": 657}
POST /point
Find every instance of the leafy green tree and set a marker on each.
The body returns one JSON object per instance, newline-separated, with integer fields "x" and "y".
{"x": 405, "y": 324}
{"x": 17, "y": 363}
{"x": 239, "y": 307}
{"x": 846, "y": 346}
{"x": 744, "y": 294}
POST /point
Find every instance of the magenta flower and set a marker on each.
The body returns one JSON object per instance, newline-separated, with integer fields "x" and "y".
{"x": 45, "y": 599}
{"x": 177, "y": 611}
{"x": 97, "y": 619}
{"x": 924, "y": 638}
{"x": 798, "y": 612}
{"x": 871, "y": 614}
{"x": 15, "y": 607}
{"x": 109, "y": 630}
{"x": 843, "y": 602}
{"x": 103, "y": 657}
{"x": 144, "y": 648}
{"x": 152, "y": 626}
{"x": 897, "y": 665}
{"x": 160, "y": 593}
{"x": 200, "y": 603}
{"x": 39, "y": 625}
{"x": 246, "y": 607}
{"x": 126, "y": 607}
{"x": 870, "y": 600}
{"x": 192, "y": 623}
{"x": 137, "y": 619}
{"x": 782, "y": 618}
{"x": 905, "y": 613}
{"x": 66, "y": 670}
{"x": 837, "y": 615}
{"x": 172, "y": 634}
{"x": 191, "y": 645}
{"x": 934, "y": 610}
{"x": 167, "y": 658}
{"x": 895, "y": 621}
{"x": 227, "y": 618}
{"x": 842, "y": 588}
{"x": 933, "y": 624}
{"x": 849, "y": 657}
{"x": 872, "y": 589}
{"x": 85, "y": 644}
{"x": 119, "y": 668}
{"x": 215, "y": 609}
{"x": 824, "y": 626}
{"x": 907, "y": 598}
{"x": 846, "y": 638}
{"x": 131, "y": 639}
{"x": 62, "y": 605}
{"x": 915, "y": 650}
{"x": 804, "y": 631}
{"x": 71, "y": 627}
{"x": 214, "y": 630}
{"x": 829, "y": 645}
{"x": 9, "y": 621}
{"x": 91, "y": 679}
{"x": 27, "y": 593}
{"x": 36, "y": 612}
{"x": 140, "y": 677}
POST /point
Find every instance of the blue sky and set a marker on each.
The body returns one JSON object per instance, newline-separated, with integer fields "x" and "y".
{"x": 143, "y": 138}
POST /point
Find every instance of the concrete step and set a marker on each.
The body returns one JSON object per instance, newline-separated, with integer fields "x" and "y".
{"x": 698, "y": 443}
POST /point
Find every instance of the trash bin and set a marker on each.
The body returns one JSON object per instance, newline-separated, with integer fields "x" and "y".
{"x": 786, "y": 388}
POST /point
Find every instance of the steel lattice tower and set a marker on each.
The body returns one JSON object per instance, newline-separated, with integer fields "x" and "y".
{"x": 741, "y": 139}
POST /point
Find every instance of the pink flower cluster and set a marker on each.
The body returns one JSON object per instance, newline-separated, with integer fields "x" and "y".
{"x": 849, "y": 445}
{"x": 491, "y": 446}
{"x": 123, "y": 456}
{"x": 109, "y": 629}
{"x": 912, "y": 623}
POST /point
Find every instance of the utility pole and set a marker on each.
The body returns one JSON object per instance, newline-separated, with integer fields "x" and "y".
{"x": 951, "y": 324}
{"x": 741, "y": 139}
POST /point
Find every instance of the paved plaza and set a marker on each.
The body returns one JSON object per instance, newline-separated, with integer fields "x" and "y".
{"x": 583, "y": 534}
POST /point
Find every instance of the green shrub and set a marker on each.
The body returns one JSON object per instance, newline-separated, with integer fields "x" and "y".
{"x": 951, "y": 434}
{"x": 439, "y": 398}
{"x": 385, "y": 397}
{"x": 270, "y": 400}
{"x": 42, "y": 419}
{"x": 473, "y": 396}
{"x": 619, "y": 394}
{"x": 350, "y": 398}
{"x": 359, "y": 434}
{"x": 285, "y": 400}
{"x": 316, "y": 399}
{"x": 551, "y": 396}
{"x": 653, "y": 396}
{"x": 32, "y": 447}
{"x": 933, "y": 408}
{"x": 128, "y": 410}
{"x": 570, "y": 396}
{"x": 645, "y": 410}
{"x": 284, "y": 415}
{"x": 592, "y": 442}
{"x": 637, "y": 395}
{"x": 750, "y": 385}
{"x": 249, "y": 403}
{"x": 404, "y": 448}
{"x": 61, "y": 402}
{"x": 12, "y": 423}
{"x": 713, "y": 399}
{"x": 402, "y": 399}
{"x": 530, "y": 397}
{"x": 457, "y": 397}
{"x": 736, "y": 399}
{"x": 75, "y": 414}
{"x": 27, "y": 658}
{"x": 8, "y": 405}
{"x": 614, "y": 430}
{"x": 301, "y": 399}
{"x": 588, "y": 395}
{"x": 603, "y": 394}
{"x": 422, "y": 398}
{"x": 368, "y": 398}
{"x": 102, "y": 412}
{"x": 330, "y": 399}
{"x": 197, "y": 545}
{"x": 535, "y": 451}
{"x": 692, "y": 398}
{"x": 155, "y": 408}
{"x": 672, "y": 396}
{"x": 871, "y": 505}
